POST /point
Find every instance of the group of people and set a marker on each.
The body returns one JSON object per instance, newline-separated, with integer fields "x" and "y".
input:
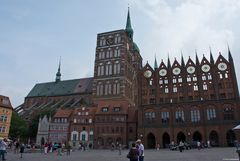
{"x": 56, "y": 147}
{"x": 136, "y": 153}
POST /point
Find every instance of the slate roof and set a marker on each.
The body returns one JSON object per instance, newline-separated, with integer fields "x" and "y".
{"x": 67, "y": 87}
{"x": 5, "y": 102}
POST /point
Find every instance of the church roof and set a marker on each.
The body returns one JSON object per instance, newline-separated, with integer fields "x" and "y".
{"x": 66, "y": 87}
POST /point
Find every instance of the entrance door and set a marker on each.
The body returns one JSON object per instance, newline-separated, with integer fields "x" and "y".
{"x": 230, "y": 138}
{"x": 165, "y": 140}
{"x": 151, "y": 141}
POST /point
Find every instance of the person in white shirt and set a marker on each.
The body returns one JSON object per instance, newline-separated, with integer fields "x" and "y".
{"x": 141, "y": 150}
{"x": 3, "y": 146}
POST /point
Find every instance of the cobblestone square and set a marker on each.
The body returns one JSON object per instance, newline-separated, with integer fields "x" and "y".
{"x": 212, "y": 154}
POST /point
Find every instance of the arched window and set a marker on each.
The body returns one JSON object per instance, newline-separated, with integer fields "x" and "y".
{"x": 179, "y": 116}
{"x": 228, "y": 113}
{"x": 211, "y": 113}
{"x": 165, "y": 117}
{"x": 116, "y": 68}
{"x": 195, "y": 115}
{"x": 108, "y": 69}
{"x": 150, "y": 116}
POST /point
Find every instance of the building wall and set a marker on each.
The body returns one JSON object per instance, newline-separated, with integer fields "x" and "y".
{"x": 5, "y": 116}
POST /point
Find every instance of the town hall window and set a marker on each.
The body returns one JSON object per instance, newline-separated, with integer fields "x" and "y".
{"x": 195, "y": 115}
{"x": 165, "y": 117}
{"x": 228, "y": 113}
{"x": 179, "y": 116}
{"x": 211, "y": 114}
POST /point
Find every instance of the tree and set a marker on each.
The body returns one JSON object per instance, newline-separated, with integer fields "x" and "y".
{"x": 18, "y": 127}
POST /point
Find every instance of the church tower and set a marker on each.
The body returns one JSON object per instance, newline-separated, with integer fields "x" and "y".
{"x": 117, "y": 62}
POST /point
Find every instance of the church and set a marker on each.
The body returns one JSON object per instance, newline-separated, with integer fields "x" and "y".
{"x": 192, "y": 100}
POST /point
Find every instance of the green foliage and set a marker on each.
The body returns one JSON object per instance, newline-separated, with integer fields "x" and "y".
{"x": 18, "y": 127}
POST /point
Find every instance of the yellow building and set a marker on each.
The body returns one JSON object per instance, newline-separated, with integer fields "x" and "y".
{"x": 5, "y": 116}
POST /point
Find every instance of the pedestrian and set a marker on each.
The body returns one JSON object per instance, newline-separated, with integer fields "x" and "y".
{"x": 22, "y": 147}
{"x": 45, "y": 148}
{"x": 140, "y": 149}
{"x": 199, "y": 145}
{"x": 158, "y": 146}
{"x": 3, "y": 146}
{"x": 16, "y": 147}
{"x": 208, "y": 144}
{"x": 181, "y": 146}
{"x": 120, "y": 149}
{"x": 112, "y": 146}
{"x": 133, "y": 153}
{"x": 68, "y": 146}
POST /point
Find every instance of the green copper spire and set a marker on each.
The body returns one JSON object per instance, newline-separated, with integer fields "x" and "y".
{"x": 58, "y": 74}
{"x": 155, "y": 63}
{"x": 128, "y": 28}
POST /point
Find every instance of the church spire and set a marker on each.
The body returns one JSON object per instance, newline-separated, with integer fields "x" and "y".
{"x": 128, "y": 28}
{"x": 155, "y": 63}
{"x": 58, "y": 74}
{"x": 168, "y": 63}
{"x": 182, "y": 60}
{"x": 211, "y": 56}
{"x": 229, "y": 54}
{"x": 197, "y": 61}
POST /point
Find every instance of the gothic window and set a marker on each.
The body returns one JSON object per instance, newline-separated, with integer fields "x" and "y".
{"x": 205, "y": 87}
{"x": 150, "y": 116}
{"x": 174, "y": 89}
{"x": 220, "y": 75}
{"x": 204, "y": 77}
{"x": 179, "y": 116}
{"x": 211, "y": 114}
{"x": 195, "y": 115}
{"x": 228, "y": 113}
{"x": 108, "y": 69}
{"x": 115, "y": 52}
{"x": 151, "y": 82}
{"x": 209, "y": 76}
{"x": 103, "y": 42}
{"x": 109, "y": 88}
{"x": 165, "y": 117}
{"x": 194, "y": 78}
{"x": 110, "y": 54}
{"x": 101, "y": 69}
{"x": 174, "y": 80}
{"x": 107, "y": 54}
{"x": 160, "y": 81}
{"x": 116, "y": 87}
{"x": 116, "y": 68}
{"x": 180, "y": 80}
{"x": 166, "y": 89}
{"x": 226, "y": 75}
{"x": 188, "y": 78}
{"x": 166, "y": 80}
{"x": 195, "y": 87}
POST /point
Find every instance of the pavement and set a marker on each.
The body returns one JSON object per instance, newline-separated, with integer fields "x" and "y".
{"x": 211, "y": 154}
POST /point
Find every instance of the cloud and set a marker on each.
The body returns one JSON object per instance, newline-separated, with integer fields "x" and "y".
{"x": 190, "y": 24}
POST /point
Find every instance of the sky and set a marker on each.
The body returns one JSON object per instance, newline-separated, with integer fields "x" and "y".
{"x": 35, "y": 34}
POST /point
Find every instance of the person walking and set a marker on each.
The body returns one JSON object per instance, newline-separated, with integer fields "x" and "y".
{"x": 3, "y": 146}
{"x": 119, "y": 149}
{"x": 22, "y": 147}
{"x": 133, "y": 153}
{"x": 181, "y": 146}
{"x": 140, "y": 149}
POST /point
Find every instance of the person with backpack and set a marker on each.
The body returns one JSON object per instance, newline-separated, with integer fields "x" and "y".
{"x": 133, "y": 153}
